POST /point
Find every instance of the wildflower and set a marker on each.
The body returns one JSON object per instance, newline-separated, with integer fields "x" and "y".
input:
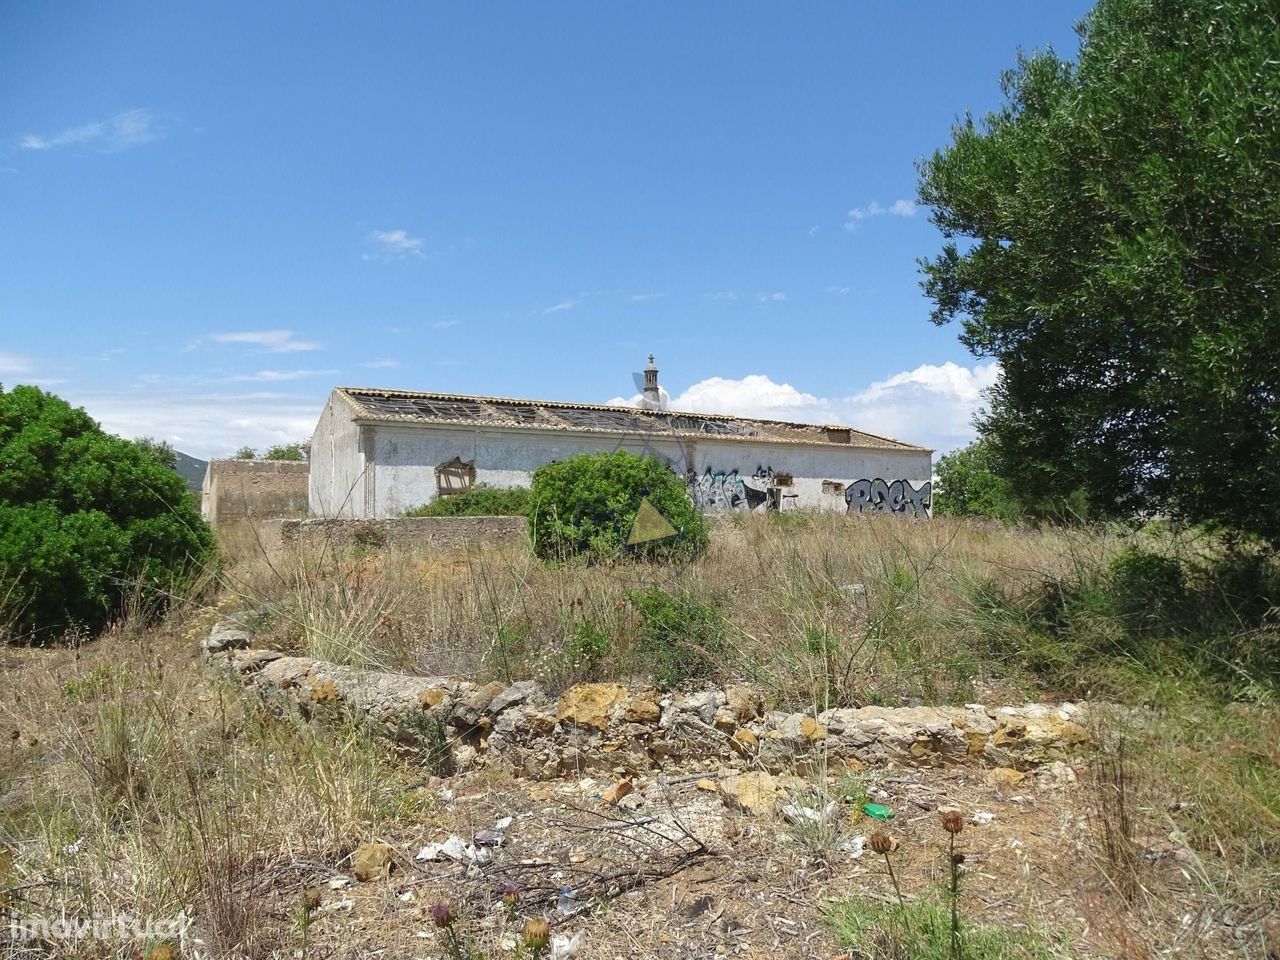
{"x": 536, "y": 933}
{"x": 311, "y": 899}
{"x": 443, "y": 915}
{"x": 510, "y": 895}
{"x": 952, "y": 822}
{"x": 882, "y": 842}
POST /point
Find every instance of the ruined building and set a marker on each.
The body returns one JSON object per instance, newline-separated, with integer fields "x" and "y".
{"x": 378, "y": 453}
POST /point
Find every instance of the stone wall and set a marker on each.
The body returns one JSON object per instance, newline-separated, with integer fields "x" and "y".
{"x": 606, "y": 727}
{"x": 435, "y": 532}
{"x": 236, "y": 489}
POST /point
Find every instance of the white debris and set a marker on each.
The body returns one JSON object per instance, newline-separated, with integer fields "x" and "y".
{"x": 339, "y": 882}
{"x": 854, "y": 846}
{"x": 982, "y": 818}
{"x": 562, "y": 947}
{"x": 503, "y": 823}
{"x": 795, "y": 813}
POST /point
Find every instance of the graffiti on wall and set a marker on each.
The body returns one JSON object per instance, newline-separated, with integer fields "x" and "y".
{"x": 728, "y": 489}
{"x": 879, "y": 496}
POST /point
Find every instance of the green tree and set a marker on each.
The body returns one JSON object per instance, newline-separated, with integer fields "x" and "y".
{"x": 294, "y": 452}
{"x": 245, "y": 453}
{"x": 1113, "y": 238}
{"x": 85, "y": 518}
{"x": 585, "y": 505}
{"x": 161, "y": 450}
{"x": 968, "y": 486}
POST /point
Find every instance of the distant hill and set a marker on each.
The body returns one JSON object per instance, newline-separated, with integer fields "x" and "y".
{"x": 191, "y": 469}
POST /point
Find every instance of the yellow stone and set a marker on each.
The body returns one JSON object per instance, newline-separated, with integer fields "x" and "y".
{"x": 588, "y": 704}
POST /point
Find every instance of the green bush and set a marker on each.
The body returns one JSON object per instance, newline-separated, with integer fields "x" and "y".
{"x": 86, "y": 520}
{"x": 479, "y": 501}
{"x": 585, "y": 505}
{"x": 1147, "y": 589}
{"x": 587, "y": 649}
{"x": 680, "y": 638}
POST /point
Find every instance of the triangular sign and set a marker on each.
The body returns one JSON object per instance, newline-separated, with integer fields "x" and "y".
{"x": 649, "y": 525}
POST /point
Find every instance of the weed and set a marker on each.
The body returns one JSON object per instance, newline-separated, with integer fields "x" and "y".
{"x": 922, "y": 931}
{"x": 681, "y": 637}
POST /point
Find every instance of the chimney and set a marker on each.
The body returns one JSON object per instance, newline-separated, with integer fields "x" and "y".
{"x": 652, "y": 395}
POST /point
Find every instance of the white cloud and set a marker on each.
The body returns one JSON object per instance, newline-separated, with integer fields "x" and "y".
{"x": 839, "y": 291}
{"x": 899, "y": 208}
{"x": 203, "y": 425}
{"x": 776, "y": 297}
{"x": 124, "y": 130}
{"x": 722, "y": 295}
{"x": 393, "y": 245}
{"x": 445, "y": 324}
{"x": 381, "y": 364}
{"x": 14, "y": 363}
{"x": 562, "y": 305}
{"x": 273, "y": 341}
{"x": 640, "y": 297}
{"x": 280, "y": 376}
{"x": 932, "y": 405}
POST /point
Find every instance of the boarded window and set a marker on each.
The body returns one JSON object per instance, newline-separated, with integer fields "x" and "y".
{"x": 838, "y": 434}
{"x": 454, "y": 477}
{"x": 781, "y": 480}
{"x": 834, "y": 487}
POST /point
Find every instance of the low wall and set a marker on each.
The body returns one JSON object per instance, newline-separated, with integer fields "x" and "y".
{"x": 235, "y": 489}
{"x": 435, "y": 532}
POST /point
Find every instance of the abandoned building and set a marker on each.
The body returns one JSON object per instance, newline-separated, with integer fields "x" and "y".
{"x": 236, "y": 489}
{"x": 377, "y": 453}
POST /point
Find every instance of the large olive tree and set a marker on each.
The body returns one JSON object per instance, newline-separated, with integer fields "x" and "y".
{"x": 1113, "y": 238}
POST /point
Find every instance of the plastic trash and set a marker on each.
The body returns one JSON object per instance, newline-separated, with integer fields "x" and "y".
{"x": 567, "y": 905}
{"x": 878, "y": 811}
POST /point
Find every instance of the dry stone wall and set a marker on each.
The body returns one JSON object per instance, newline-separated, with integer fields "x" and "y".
{"x": 607, "y": 727}
{"x": 438, "y": 532}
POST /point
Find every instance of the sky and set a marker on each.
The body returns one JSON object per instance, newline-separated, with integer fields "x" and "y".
{"x": 212, "y": 214}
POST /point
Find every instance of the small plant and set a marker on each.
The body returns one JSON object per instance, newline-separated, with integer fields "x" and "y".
{"x": 305, "y": 913}
{"x": 681, "y": 637}
{"x": 587, "y": 649}
{"x": 953, "y": 823}
{"x": 884, "y": 844}
{"x": 428, "y": 735}
{"x": 446, "y": 918}
{"x": 1111, "y": 815}
{"x": 536, "y": 936}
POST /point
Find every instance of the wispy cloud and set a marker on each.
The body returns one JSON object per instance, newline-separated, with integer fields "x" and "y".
{"x": 562, "y": 305}
{"x": 725, "y": 295}
{"x": 813, "y": 231}
{"x": 281, "y": 376}
{"x": 381, "y": 364}
{"x": 14, "y": 363}
{"x": 445, "y": 324}
{"x": 839, "y": 291}
{"x": 640, "y": 297}
{"x": 273, "y": 341}
{"x": 392, "y": 245}
{"x": 899, "y": 208}
{"x": 124, "y": 130}
{"x": 776, "y": 297}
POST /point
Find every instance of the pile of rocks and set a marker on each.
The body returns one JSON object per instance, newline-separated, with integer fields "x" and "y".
{"x": 606, "y": 727}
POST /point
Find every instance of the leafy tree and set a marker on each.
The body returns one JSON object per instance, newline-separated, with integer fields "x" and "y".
{"x": 1113, "y": 238}
{"x": 586, "y": 504}
{"x": 161, "y": 450}
{"x": 293, "y": 452}
{"x": 245, "y": 453}
{"x": 84, "y": 518}
{"x": 968, "y": 486}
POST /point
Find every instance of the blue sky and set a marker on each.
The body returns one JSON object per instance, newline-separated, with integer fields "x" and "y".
{"x": 210, "y": 215}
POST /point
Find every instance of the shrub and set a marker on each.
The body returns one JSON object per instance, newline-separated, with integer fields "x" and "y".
{"x": 479, "y": 501}
{"x": 1147, "y": 588}
{"x": 585, "y": 505}
{"x": 587, "y": 648}
{"x": 86, "y": 519}
{"x": 680, "y": 637}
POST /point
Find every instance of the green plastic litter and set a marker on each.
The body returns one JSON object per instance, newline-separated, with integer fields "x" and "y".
{"x": 878, "y": 811}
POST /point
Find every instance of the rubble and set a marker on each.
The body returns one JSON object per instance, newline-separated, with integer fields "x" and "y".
{"x": 606, "y": 729}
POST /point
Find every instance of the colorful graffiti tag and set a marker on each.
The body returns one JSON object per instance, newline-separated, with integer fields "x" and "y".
{"x": 880, "y": 496}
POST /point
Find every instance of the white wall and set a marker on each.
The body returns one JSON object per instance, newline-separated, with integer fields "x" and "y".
{"x": 337, "y": 485}
{"x": 404, "y": 458}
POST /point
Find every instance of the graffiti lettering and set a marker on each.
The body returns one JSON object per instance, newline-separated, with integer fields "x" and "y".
{"x": 879, "y": 496}
{"x": 721, "y": 490}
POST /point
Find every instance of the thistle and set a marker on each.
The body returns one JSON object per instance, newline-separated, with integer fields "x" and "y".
{"x": 445, "y": 917}
{"x": 308, "y": 904}
{"x": 536, "y": 935}
{"x": 884, "y": 844}
{"x": 953, "y": 823}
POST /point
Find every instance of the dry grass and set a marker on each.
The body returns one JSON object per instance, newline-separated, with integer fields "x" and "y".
{"x": 136, "y": 784}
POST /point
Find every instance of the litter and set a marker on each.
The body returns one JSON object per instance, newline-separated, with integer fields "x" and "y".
{"x": 877, "y": 811}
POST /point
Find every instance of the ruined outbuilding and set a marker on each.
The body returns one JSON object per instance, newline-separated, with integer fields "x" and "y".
{"x": 377, "y": 453}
